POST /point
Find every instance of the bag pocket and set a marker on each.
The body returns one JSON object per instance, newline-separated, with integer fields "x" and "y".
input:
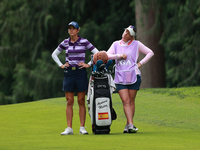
{"x": 102, "y": 93}
{"x": 118, "y": 77}
{"x": 128, "y": 76}
{"x": 125, "y": 77}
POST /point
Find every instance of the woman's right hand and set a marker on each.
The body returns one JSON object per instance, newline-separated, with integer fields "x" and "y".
{"x": 123, "y": 56}
{"x": 65, "y": 65}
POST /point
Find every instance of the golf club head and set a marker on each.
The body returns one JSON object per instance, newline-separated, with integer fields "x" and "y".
{"x": 95, "y": 68}
{"x": 101, "y": 67}
{"x": 109, "y": 63}
{"x": 98, "y": 64}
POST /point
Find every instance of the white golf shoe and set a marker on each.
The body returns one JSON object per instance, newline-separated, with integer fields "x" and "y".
{"x": 132, "y": 128}
{"x": 126, "y": 129}
{"x": 83, "y": 131}
{"x": 67, "y": 131}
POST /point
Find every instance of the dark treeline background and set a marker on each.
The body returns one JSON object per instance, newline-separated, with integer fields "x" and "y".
{"x": 30, "y": 30}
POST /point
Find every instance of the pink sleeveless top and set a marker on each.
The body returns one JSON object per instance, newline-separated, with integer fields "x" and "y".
{"x": 125, "y": 71}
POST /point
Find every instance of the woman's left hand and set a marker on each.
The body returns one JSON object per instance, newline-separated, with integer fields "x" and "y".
{"x": 83, "y": 65}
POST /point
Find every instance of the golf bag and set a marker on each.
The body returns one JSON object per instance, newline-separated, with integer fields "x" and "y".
{"x": 99, "y": 100}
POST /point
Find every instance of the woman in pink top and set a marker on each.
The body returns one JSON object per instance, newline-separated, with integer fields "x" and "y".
{"x": 127, "y": 74}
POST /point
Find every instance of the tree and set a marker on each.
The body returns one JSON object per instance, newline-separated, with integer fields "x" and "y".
{"x": 181, "y": 42}
{"x": 31, "y": 30}
{"x": 149, "y": 31}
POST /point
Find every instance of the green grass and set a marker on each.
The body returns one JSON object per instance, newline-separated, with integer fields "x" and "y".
{"x": 166, "y": 118}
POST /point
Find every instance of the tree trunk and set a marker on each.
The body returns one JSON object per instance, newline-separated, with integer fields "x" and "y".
{"x": 153, "y": 72}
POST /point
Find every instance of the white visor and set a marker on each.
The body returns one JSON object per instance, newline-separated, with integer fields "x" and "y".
{"x": 132, "y": 32}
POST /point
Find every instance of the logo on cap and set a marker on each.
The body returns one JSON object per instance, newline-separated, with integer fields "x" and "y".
{"x": 75, "y": 24}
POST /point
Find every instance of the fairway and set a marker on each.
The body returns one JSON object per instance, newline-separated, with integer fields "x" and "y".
{"x": 168, "y": 119}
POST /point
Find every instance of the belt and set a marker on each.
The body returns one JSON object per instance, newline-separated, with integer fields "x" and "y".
{"x": 73, "y": 68}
